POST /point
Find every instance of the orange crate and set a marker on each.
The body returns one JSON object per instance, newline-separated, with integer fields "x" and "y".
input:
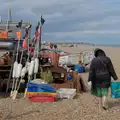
{"x": 41, "y": 94}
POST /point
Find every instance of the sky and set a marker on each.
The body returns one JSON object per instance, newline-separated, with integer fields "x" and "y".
{"x": 92, "y": 21}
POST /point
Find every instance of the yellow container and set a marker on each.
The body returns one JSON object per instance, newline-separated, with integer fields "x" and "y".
{"x": 41, "y": 94}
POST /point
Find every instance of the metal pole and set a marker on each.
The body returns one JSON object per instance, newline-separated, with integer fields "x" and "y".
{"x": 39, "y": 41}
{"x": 40, "y": 36}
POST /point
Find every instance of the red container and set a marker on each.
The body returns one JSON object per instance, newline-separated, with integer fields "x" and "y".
{"x": 42, "y": 99}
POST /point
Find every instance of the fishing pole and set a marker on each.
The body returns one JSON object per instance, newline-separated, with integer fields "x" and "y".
{"x": 34, "y": 65}
{"x": 24, "y": 69}
{"x": 37, "y": 50}
{"x": 18, "y": 73}
{"x": 30, "y": 70}
{"x": 15, "y": 65}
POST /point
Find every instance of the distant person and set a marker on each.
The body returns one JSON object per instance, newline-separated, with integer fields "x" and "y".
{"x": 50, "y": 45}
{"x": 101, "y": 71}
{"x": 55, "y": 47}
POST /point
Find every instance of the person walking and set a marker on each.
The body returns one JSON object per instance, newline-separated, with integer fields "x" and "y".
{"x": 100, "y": 73}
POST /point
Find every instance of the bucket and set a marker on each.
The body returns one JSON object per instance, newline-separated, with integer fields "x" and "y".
{"x": 115, "y": 89}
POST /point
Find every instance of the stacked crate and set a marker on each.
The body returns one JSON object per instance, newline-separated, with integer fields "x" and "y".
{"x": 41, "y": 92}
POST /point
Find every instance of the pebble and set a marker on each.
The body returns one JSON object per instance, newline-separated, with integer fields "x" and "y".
{"x": 81, "y": 108}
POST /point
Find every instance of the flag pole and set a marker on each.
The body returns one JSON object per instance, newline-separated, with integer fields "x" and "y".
{"x": 40, "y": 34}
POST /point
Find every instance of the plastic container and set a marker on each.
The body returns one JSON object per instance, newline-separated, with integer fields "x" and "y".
{"x": 66, "y": 93}
{"x": 87, "y": 56}
{"x": 89, "y": 85}
{"x": 69, "y": 59}
{"x": 41, "y": 99}
{"x": 45, "y": 94}
{"x": 115, "y": 89}
{"x": 33, "y": 87}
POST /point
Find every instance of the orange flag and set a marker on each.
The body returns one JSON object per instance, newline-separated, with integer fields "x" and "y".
{"x": 24, "y": 44}
{"x": 18, "y": 35}
{"x": 4, "y": 34}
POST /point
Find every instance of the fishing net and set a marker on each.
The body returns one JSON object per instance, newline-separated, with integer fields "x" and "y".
{"x": 47, "y": 76}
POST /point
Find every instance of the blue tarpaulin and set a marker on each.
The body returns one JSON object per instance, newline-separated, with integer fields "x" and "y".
{"x": 79, "y": 68}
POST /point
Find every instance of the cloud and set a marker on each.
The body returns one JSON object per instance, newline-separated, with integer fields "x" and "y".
{"x": 69, "y": 19}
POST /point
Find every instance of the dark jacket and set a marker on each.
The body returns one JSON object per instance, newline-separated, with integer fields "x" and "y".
{"x": 101, "y": 70}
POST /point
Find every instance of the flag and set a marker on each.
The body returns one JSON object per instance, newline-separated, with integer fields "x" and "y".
{"x": 24, "y": 44}
{"x": 4, "y": 34}
{"x": 38, "y": 28}
{"x": 26, "y": 33}
{"x": 18, "y": 35}
{"x": 37, "y": 33}
{"x": 19, "y": 25}
{"x": 42, "y": 20}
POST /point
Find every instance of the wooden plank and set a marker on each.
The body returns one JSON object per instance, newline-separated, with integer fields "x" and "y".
{"x": 5, "y": 66}
{"x": 4, "y": 70}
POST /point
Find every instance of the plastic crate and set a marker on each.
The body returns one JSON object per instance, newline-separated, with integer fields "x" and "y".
{"x": 34, "y": 87}
{"x": 30, "y": 94}
{"x": 66, "y": 93}
{"x": 41, "y": 99}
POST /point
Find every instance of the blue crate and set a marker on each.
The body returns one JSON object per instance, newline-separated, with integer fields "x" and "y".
{"x": 115, "y": 89}
{"x": 33, "y": 87}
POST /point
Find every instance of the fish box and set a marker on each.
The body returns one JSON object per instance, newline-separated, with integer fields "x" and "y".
{"x": 41, "y": 99}
{"x": 45, "y": 94}
{"x": 66, "y": 93}
{"x": 34, "y": 87}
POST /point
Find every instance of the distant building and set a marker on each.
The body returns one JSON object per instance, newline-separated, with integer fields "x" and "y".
{"x": 14, "y": 29}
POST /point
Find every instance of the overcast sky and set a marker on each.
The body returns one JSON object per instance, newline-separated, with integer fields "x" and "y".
{"x": 95, "y": 21}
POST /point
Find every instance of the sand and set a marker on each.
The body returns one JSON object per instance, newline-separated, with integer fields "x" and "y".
{"x": 83, "y": 107}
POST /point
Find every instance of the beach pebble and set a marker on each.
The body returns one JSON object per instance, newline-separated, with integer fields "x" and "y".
{"x": 82, "y": 108}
